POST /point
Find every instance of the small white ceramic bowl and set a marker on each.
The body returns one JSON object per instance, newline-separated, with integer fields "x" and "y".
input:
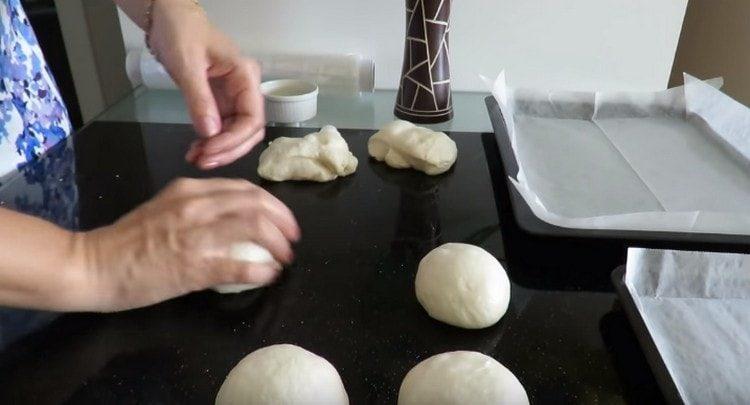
{"x": 289, "y": 101}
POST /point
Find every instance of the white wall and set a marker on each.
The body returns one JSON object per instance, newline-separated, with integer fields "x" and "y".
{"x": 556, "y": 44}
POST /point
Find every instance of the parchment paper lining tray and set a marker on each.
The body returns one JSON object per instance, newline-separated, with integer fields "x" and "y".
{"x": 672, "y": 161}
{"x": 696, "y": 308}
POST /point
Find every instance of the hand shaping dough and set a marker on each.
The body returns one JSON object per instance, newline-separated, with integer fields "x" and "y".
{"x": 282, "y": 374}
{"x": 320, "y": 156}
{"x": 463, "y": 285}
{"x": 403, "y": 145}
{"x": 461, "y": 378}
{"x": 248, "y": 252}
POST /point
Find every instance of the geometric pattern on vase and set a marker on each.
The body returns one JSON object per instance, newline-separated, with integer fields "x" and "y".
{"x": 424, "y": 94}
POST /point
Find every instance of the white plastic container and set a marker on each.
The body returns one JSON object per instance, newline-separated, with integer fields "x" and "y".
{"x": 334, "y": 74}
{"x": 290, "y": 101}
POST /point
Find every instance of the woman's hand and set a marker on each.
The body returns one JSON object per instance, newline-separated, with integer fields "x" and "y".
{"x": 221, "y": 87}
{"x": 179, "y": 242}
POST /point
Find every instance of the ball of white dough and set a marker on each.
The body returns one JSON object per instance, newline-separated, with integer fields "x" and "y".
{"x": 463, "y": 285}
{"x": 282, "y": 374}
{"x": 248, "y": 252}
{"x": 461, "y": 378}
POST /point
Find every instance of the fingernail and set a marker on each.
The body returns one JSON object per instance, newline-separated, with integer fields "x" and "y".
{"x": 210, "y": 165}
{"x": 210, "y": 126}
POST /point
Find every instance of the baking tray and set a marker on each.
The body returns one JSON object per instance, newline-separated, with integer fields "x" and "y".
{"x": 661, "y": 373}
{"x": 531, "y": 224}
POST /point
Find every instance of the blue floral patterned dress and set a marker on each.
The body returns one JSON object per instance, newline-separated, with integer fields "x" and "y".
{"x": 34, "y": 117}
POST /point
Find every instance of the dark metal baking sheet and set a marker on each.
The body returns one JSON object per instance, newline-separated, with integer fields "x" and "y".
{"x": 532, "y": 224}
{"x": 661, "y": 373}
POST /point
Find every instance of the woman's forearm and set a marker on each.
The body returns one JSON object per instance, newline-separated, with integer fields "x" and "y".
{"x": 136, "y": 9}
{"x": 176, "y": 243}
{"x": 41, "y": 265}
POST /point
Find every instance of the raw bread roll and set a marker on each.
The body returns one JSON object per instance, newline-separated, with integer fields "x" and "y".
{"x": 282, "y": 374}
{"x": 461, "y": 378}
{"x": 320, "y": 156}
{"x": 463, "y": 285}
{"x": 248, "y": 252}
{"x": 403, "y": 145}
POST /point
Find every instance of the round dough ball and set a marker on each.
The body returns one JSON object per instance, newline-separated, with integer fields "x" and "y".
{"x": 461, "y": 378}
{"x": 463, "y": 285}
{"x": 282, "y": 374}
{"x": 248, "y": 252}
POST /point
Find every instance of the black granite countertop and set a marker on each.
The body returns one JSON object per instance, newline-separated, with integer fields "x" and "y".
{"x": 349, "y": 297}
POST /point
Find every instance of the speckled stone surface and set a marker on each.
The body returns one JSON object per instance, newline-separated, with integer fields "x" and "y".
{"x": 349, "y": 297}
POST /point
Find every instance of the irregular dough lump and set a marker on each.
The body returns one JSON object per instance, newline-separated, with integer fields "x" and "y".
{"x": 282, "y": 374}
{"x": 249, "y": 252}
{"x": 462, "y": 285}
{"x": 461, "y": 378}
{"x": 403, "y": 145}
{"x": 320, "y": 156}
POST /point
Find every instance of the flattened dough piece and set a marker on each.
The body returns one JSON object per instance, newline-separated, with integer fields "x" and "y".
{"x": 320, "y": 156}
{"x": 403, "y": 145}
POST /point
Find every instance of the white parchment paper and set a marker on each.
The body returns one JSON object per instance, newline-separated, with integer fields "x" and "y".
{"x": 677, "y": 160}
{"x": 696, "y": 307}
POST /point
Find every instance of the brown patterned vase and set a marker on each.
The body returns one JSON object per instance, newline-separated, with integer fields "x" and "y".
{"x": 424, "y": 94}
